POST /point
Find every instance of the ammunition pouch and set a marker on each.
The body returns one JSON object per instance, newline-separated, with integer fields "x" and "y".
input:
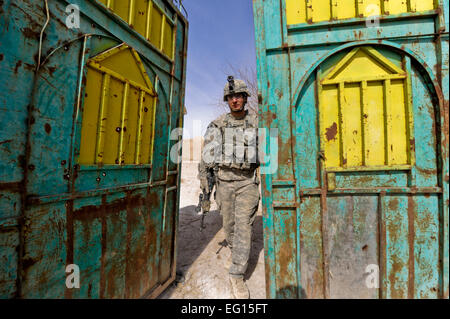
{"x": 239, "y": 146}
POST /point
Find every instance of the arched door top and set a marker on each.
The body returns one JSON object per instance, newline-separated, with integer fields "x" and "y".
{"x": 366, "y": 120}
{"x": 387, "y": 44}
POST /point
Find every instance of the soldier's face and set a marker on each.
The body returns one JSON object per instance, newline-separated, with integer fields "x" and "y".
{"x": 236, "y": 102}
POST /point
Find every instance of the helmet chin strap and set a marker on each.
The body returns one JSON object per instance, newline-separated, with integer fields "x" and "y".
{"x": 242, "y": 108}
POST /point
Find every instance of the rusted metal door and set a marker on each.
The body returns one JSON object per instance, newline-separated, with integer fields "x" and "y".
{"x": 380, "y": 212}
{"x": 358, "y": 207}
{"x": 98, "y": 188}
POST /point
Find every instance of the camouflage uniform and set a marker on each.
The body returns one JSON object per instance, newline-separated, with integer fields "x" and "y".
{"x": 237, "y": 182}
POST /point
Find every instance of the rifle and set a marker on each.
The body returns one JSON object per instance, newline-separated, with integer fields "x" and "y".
{"x": 222, "y": 244}
{"x": 204, "y": 198}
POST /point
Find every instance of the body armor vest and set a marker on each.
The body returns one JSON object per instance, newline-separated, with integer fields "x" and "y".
{"x": 239, "y": 142}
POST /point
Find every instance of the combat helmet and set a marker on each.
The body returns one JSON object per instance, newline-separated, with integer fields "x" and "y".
{"x": 234, "y": 86}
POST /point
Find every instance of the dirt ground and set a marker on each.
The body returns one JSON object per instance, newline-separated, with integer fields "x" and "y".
{"x": 201, "y": 269}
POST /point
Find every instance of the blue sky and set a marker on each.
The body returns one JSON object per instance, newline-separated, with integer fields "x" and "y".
{"x": 221, "y": 32}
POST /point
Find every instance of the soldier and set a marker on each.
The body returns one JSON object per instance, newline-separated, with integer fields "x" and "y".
{"x": 230, "y": 150}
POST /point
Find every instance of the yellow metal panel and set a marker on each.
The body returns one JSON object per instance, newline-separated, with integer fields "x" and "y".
{"x": 90, "y": 117}
{"x": 118, "y": 110}
{"x": 333, "y": 8}
{"x": 124, "y": 122}
{"x": 359, "y": 8}
{"x": 340, "y": 65}
{"x": 131, "y": 11}
{"x": 373, "y": 124}
{"x": 168, "y": 38}
{"x": 125, "y": 64}
{"x": 379, "y": 58}
{"x": 156, "y": 26}
{"x": 388, "y": 121}
{"x": 385, "y": 7}
{"x": 163, "y": 26}
{"x": 140, "y": 16}
{"x": 345, "y": 9}
{"x": 351, "y": 126}
{"x": 147, "y": 129}
{"x": 398, "y": 6}
{"x": 329, "y": 112}
{"x": 118, "y": 76}
{"x": 361, "y": 61}
{"x": 371, "y": 7}
{"x": 398, "y": 153}
{"x": 108, "y": 53}
{"x": 102, "y": 118}
{"x": 131, "y": 131}
{"x": 113, "y": 122}
{"x": 121, "y": 8}
{"x": 301, "y": 11}
{"x": 375, "y": 66}
{"x": 321, "y": 10}
{"x": 146, "y": 18}
{"x": 365, "y": 122}
{"x": 137, "y": 156}
{"x": 360, "y": 78}
{"x": 422, "y": 5}
{"x": 295, "y": 11}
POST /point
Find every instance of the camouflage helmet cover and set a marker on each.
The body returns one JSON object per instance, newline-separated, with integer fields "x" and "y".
{"x": 234, "y": 86}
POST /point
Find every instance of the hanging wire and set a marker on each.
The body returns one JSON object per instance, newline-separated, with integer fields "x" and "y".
{"x": 40, "y": 37}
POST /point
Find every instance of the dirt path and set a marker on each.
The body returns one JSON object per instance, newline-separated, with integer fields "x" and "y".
{"x": 203, "y": 270}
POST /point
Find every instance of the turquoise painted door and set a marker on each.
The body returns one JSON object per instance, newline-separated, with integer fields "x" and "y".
{"x": 358, "y": 91}
{"x": 87, "y": 184}
{"x": 378, "y": 203}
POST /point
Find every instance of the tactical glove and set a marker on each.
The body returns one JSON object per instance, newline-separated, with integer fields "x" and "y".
{"x": 206, "y": 205}
{"x": 204, "y": 184}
